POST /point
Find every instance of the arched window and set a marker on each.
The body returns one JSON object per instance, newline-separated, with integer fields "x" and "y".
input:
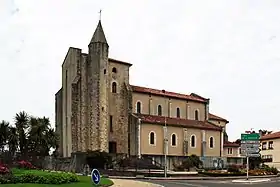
{"x": 196, "y": 115}
{"x": 193, "y": 141}
{"x": 114, "y": 87}
{"x": 138, "y": 107}
{"x": 211, "y": 142}
{"x": 114, "y": 70}
{"x": 159, "y": 110}
{"x": 178, "y": 113}
{"x": 152, "y": 138}
{"x": 173, "y": 140}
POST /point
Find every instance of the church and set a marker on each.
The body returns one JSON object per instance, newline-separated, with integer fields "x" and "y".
{"x": 98, "y": 109}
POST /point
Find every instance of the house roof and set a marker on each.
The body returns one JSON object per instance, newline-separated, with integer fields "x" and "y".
{"x": 214, "y": 117}
{"x": 163, "y": 93}
{"x": 151, "y": 119}
{"x": 231, "y": 144}
{"x": 274, "y": 135}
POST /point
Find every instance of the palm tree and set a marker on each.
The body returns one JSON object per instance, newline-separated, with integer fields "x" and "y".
{"x": 41, "y": 136}
{"x": 4, "y": 130}
{"x": 12, "y": 140}
{"x": 21, "y": 122}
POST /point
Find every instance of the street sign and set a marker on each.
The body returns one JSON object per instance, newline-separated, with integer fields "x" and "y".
{"x": 250, "y": 145}
{"x": 250, "y": 141}
{"x": 254, "y": 155}
{"x": 253, "y": 136}
{"x": 95, "y": 176}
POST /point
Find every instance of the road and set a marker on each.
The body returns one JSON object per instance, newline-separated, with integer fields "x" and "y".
{"x": 212, "y": 183}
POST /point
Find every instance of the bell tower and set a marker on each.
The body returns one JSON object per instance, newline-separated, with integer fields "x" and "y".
{"x": 98, "y": 87}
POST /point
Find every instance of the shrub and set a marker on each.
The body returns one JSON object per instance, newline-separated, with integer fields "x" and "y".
{"x": 43, "y": 177}
{"x": 4, "y": 169}
{"x": 98, "y": 159}
{"x": 234, "y": 168}
{"x": 25, "y": 165}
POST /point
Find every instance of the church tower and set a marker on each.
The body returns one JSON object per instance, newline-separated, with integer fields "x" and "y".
{"x": 98, "y": 87}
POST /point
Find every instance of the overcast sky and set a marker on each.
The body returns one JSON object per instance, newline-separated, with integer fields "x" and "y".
{"x": 226, "y": 50}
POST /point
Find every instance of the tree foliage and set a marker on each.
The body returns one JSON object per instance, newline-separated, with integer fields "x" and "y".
{"x": 28, "y": 136}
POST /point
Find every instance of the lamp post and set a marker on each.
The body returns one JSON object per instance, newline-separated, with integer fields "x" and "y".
{"x": 165, "y": 139}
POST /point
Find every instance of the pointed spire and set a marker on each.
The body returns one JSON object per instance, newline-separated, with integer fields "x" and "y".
{"x": 98, "y": 35}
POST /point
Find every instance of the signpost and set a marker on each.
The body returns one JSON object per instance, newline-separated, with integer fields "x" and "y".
{"x": 95, "y": 176}
{"x": 250, "y": 147}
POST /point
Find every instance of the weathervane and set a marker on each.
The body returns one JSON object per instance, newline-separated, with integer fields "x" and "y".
{"x": 100, "y": 14}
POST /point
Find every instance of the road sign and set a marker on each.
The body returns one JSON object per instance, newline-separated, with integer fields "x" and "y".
{"x": 253, "y": 136}
{"x": 250, "y": 141}
{"x": 254, "y": 155}
{"x": 246, "y": 145}
{"x": 95, "y": 176}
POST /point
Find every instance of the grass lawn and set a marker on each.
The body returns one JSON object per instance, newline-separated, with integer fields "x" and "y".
{"x": 85, "y": 181}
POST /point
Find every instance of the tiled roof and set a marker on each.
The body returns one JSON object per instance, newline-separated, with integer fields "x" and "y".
{"x": 231, "y": 144}
{"x": 166, "y": 94}
{"x": 120, "y": 62}
{"x": 178, "y": 122}
{"x": 214, "y": 117}
{"x": 274, "y": 135}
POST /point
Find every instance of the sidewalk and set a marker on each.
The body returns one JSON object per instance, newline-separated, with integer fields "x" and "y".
{"x": 250, "y": 181}
{"x": 130, "y": 183}
{"x": 196, "y": 178}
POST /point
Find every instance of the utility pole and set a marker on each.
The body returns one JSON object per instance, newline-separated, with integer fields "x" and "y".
{"x": 165, "y": 139}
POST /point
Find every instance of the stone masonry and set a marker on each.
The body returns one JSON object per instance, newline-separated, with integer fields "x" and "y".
{"x": 87, "y": 98}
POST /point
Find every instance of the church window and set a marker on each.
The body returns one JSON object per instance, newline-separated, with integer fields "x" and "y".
{"x": 211, "y": 142}
{"x": 196, "y": 115}
{"x": 152, "y": 137}
{"x": 138, "y": 107}
{"x": 159, "y": 110}
{"x": 104, "y": 71}
{"x": 114, "y": 70}
{"x": 193, "y": 141}
{"x": 173, "y": 140}
{"x": 114, "y": 87}
{"x": 178, "y": 113}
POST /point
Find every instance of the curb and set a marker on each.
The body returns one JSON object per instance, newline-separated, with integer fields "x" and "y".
{"x": 194, "y": 178}
{"x": 250, "y": 182}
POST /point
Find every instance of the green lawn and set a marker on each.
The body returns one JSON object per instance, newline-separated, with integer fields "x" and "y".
{"x": 85, "y": 181}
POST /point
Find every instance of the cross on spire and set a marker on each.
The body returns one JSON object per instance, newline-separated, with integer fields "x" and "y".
{"x": 100, "y": 14}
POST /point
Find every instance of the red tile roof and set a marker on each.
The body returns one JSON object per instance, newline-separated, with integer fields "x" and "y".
{"x": 214, "y": 117}
{"x": 274, "y": 135}
{"x": 178, "y": 122}
{"x": 120, "y": 62}
{"x": 231, "y": 144}
{"x": 152, "y": 91}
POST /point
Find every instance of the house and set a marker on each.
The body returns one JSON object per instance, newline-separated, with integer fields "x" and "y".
{"x": 270, "y": 149}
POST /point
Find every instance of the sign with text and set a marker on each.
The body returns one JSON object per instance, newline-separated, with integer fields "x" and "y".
{"x": 250, "y": 145}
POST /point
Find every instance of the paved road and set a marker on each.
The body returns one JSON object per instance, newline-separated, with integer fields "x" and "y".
{"x": 212, "y": 183}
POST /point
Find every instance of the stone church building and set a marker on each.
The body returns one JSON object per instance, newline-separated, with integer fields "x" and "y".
{"x": 98, "y": 109}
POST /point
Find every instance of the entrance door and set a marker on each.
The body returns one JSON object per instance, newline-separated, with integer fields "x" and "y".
{"x": 112, "y": 147}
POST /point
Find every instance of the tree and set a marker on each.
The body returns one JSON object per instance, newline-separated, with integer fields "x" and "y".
{"x": 4, "y": 129}
{"x": 191, "y": 161}
{"x": 21, "y": 122}
{"x": 30, "y": 136}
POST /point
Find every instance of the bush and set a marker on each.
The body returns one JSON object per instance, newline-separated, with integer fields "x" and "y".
{"x": 234, "y": 168}
{"x": 213, "y": 174}
{"x": 272, "y": 170}
{"x": 4, "y": 169}
{"x": 39, "y": 177}
{"x": 98, "y": 159}
{"x": 25, "y": 165}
